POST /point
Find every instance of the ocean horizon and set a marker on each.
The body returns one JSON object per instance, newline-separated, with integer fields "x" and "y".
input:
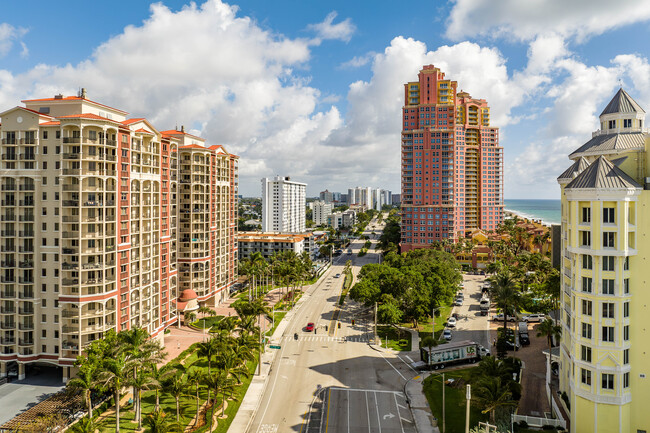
{"x": 549, "y": 211}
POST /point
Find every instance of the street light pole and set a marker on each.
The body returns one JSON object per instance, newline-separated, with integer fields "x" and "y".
{"x": 443, "y": 402}
{"x": 468, "y": 396}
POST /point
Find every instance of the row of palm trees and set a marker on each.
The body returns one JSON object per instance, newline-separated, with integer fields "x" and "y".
{"x": 286, "y": 268}
{"x": 132, "y": 359}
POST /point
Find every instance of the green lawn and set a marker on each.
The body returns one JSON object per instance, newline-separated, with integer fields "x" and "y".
{"x": 207, "y": 322}
{"x": 425, "y": 327}
{"x": 455, "y": 402}
{"x": 278, "y": 315}
{"x": 394, "y": 338}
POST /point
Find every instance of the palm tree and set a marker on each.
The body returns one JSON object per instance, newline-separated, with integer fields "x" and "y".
{"x": 195, "y": 378}
{"x": 176, "y": 386}
{"x": 491, "y": 393}
{"x": 215, "y": 383}
{"x": 116, "y": 374}
{"x": 429, "y": 342}
{"x": 141, "y": 381}
{"x": 158, "y": 376}
{"x": 84, "y": 425}
{"x": 208, "y": 349}
{"x": 505, "y": 295}
{"x": 491, "y": 366}
{"x": 551, "y": 331}
{"x": 157, "y": 423}
{"x": 86, "y": 382}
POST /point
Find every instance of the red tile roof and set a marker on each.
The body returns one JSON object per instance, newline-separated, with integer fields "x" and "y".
{"x": 134, "y": 120}
{"x": 87, "y": 116}
{"x": 175, "y": 132}
{"x": 71, "y": 98}
{"x": 194, "y": 146}
{"x": 51, "y": 123}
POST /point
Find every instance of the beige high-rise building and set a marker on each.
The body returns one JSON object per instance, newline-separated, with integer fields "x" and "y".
{"x": 88, "y": 229}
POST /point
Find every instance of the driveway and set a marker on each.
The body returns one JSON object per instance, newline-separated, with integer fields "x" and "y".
{"x": 16, "y": 397}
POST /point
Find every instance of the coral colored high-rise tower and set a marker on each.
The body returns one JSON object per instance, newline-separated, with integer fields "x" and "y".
{"x": 452, "y": 164}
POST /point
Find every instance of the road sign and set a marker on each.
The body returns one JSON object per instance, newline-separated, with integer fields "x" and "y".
{"x": 274, "y": 347}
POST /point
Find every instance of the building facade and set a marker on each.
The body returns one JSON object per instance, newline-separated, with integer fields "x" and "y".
{"x": 452, "y": 164}
{"x": 207, "y": 205}
{"x": 320, "y": 211}
{"x": 269, "y": 244}
{"x": 283, "y": 205}
{"x": 345, "y": 219}
{"x": 604, "y": 363}
{"x": 88, "y": 229}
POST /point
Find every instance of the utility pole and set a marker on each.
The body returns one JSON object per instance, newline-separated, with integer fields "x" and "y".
{"x": 375, "y": 336}
{"x": 468, "y": 396}
{"x": 443, "y": 402}
{"x": 259, "y": 354}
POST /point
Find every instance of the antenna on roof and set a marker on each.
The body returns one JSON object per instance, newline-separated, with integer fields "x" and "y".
{"x": 620, "y": 83}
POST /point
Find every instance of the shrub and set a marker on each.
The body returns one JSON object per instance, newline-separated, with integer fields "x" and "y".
{"x": 548, "y": 427}
{"x": 523, "y": 424}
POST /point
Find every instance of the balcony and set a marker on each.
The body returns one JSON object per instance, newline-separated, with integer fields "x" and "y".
{"x": 8, "y": 217}
{"x": 27, "y": 157}
{"x": 69, "y": 266}
{"x": 70, "y": 281}
{"x": 71, "y": 140}
{"x": 7, "y": 294}
{"x": 9, "y": 156}
{"x": 7, "y": 310}
{"x": 26, "y": 188}
{"x": 7, "y": 341}
{"x": 9, "y": 141}
{"x": 7, "y": 325}
{"x": 70, "y": 250}
{"x": 29, "y": 218}
{"x": 25, "y": 311}
{"x": 26, "y": 233}
{"x": 71, "y": 218}
{"x": 70, "y": 203}
{"x": 8, "y": 248}
{"x": 26, "y": 264}
{"x": 26, "y": 249}
{"x": 70, "y": 313}
{"x": 6, "y": 233}
{"x": 26, "y": 280}
{"x": 8, "y": 188}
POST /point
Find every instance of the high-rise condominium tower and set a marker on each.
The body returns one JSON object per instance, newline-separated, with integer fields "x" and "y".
{"x": 452, "y": 164}
{"x": 283, "y": 205}
{"x": 604, "y": 356}
{"x": 89, "y": 227}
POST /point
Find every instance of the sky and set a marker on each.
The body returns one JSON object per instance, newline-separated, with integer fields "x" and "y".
{"x": 313, "y": 90}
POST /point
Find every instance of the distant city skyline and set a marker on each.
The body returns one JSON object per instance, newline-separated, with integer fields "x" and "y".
{"x": 315, "y": 92}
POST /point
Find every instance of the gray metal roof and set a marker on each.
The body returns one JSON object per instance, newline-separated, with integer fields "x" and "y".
{"x": 575, "y": 169}
{"x": 602, "y": 174}
{"x": 622, "y": 102}
{"x": 609, "y": 142}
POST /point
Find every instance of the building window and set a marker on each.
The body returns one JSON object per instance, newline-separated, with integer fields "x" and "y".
{"x": 585, "y": 353}
{"x": 586, "y": 284}
{"x": 586, "y": 330}
{"x": 626, "y": 356}
{"x": 586, "y": 214}
{"x": 608, "y": 310}
{"x": 585, "y": 237}
{"x": 626, "y": 309}
{"x": 609, "y": 240}
{"x": 607, "y": 381}
{"x": 608, "y": 334}
{"x": 626, "y": 380}
{"x": 612, "y": 124}
{"x": 626, "y": 332}
{"x": 608, "y": 263}
{"x": 626, "y": 264}
{"x": 587, "y": 262}
{"x": 626, "y": 286}
{"x": 627, "y": 123}
{"x": 608, "y": 286}
{"x": 608, "y": 215}
{"x": 586, "y": 307}
{"x": 586, "y": 376}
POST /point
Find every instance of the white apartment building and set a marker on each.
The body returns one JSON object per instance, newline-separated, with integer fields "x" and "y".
{"x": 269, "y": 244}
{"x": 321, "y": 210}
{"x": 283, "y": 205}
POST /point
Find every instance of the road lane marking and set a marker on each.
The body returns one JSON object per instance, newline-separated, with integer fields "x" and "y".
{"x": 407, "y": 420}
{"x": 407, "y": 364}
{"x": 409, "y": 358}
{"x": 368, "y": 412}
{"x": 327, "y": 421}
{"x": 396, "y": 370}
{"x": 337, "y": 388}
{"x": 398, "y": 414}
{"x": 377, "y": 408}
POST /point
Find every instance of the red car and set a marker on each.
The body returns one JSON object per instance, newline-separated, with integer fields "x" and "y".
{"x": 309, "y": 327}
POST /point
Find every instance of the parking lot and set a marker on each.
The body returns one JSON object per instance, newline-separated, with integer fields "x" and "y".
{"x": 342, "y": 410}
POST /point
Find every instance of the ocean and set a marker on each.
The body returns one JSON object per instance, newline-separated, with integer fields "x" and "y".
{"x": 549, "y": 211}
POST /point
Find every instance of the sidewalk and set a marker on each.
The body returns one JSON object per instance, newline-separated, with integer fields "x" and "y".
{"x": 419, "y": 405}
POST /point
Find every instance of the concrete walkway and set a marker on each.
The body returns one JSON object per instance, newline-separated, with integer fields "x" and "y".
{"x": 419, "y": 405}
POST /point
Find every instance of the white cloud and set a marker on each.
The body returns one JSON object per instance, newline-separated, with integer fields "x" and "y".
{"x": 8, "y": 35}
{"x": 526, "y": 19}
{"x": 358, "y": 61}
{"x": 328, "y": 30}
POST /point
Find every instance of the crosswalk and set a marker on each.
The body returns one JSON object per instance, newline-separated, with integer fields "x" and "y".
{"x": 354, "y": 338}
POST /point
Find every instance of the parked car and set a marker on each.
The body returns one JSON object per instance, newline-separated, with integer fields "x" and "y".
{"x": 499, "y": 318}
{"x": 458, "y": 302}
{"x": 337, "y": 276}
{"x": 309, "y": 327}
{"x": 451, "y": 322}
{"x": 534, "y": 318}
{"x": 446, "y": 334}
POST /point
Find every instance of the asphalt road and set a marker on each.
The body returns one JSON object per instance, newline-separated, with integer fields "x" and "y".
{"x": 471, "y": 325}
{"x": 319, "y": 382}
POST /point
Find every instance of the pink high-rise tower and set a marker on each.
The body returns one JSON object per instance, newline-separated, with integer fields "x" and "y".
{"x": 452, "y": 164}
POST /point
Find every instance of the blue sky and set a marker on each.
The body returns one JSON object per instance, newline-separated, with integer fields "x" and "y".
{"x": 313, "y": 89}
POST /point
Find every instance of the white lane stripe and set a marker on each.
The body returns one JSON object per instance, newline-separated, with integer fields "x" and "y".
{"x": 399, "y": 405}
{"x": 409, "y": 358}
{"x": 396, "y": 370}
{"x": 407, "y": 420}
{"x": 368, "y": 412}
{"x": 377, "y": 408}
{"x": 398, "y": 414}
{"x": 336, "y": 388}
{"x": 407, "y": 364}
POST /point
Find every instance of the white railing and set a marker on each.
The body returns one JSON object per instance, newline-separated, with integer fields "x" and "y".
{"x": 535, "y": 421}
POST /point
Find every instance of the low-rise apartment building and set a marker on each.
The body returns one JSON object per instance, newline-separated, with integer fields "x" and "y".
{"x": 269, "y": 244}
